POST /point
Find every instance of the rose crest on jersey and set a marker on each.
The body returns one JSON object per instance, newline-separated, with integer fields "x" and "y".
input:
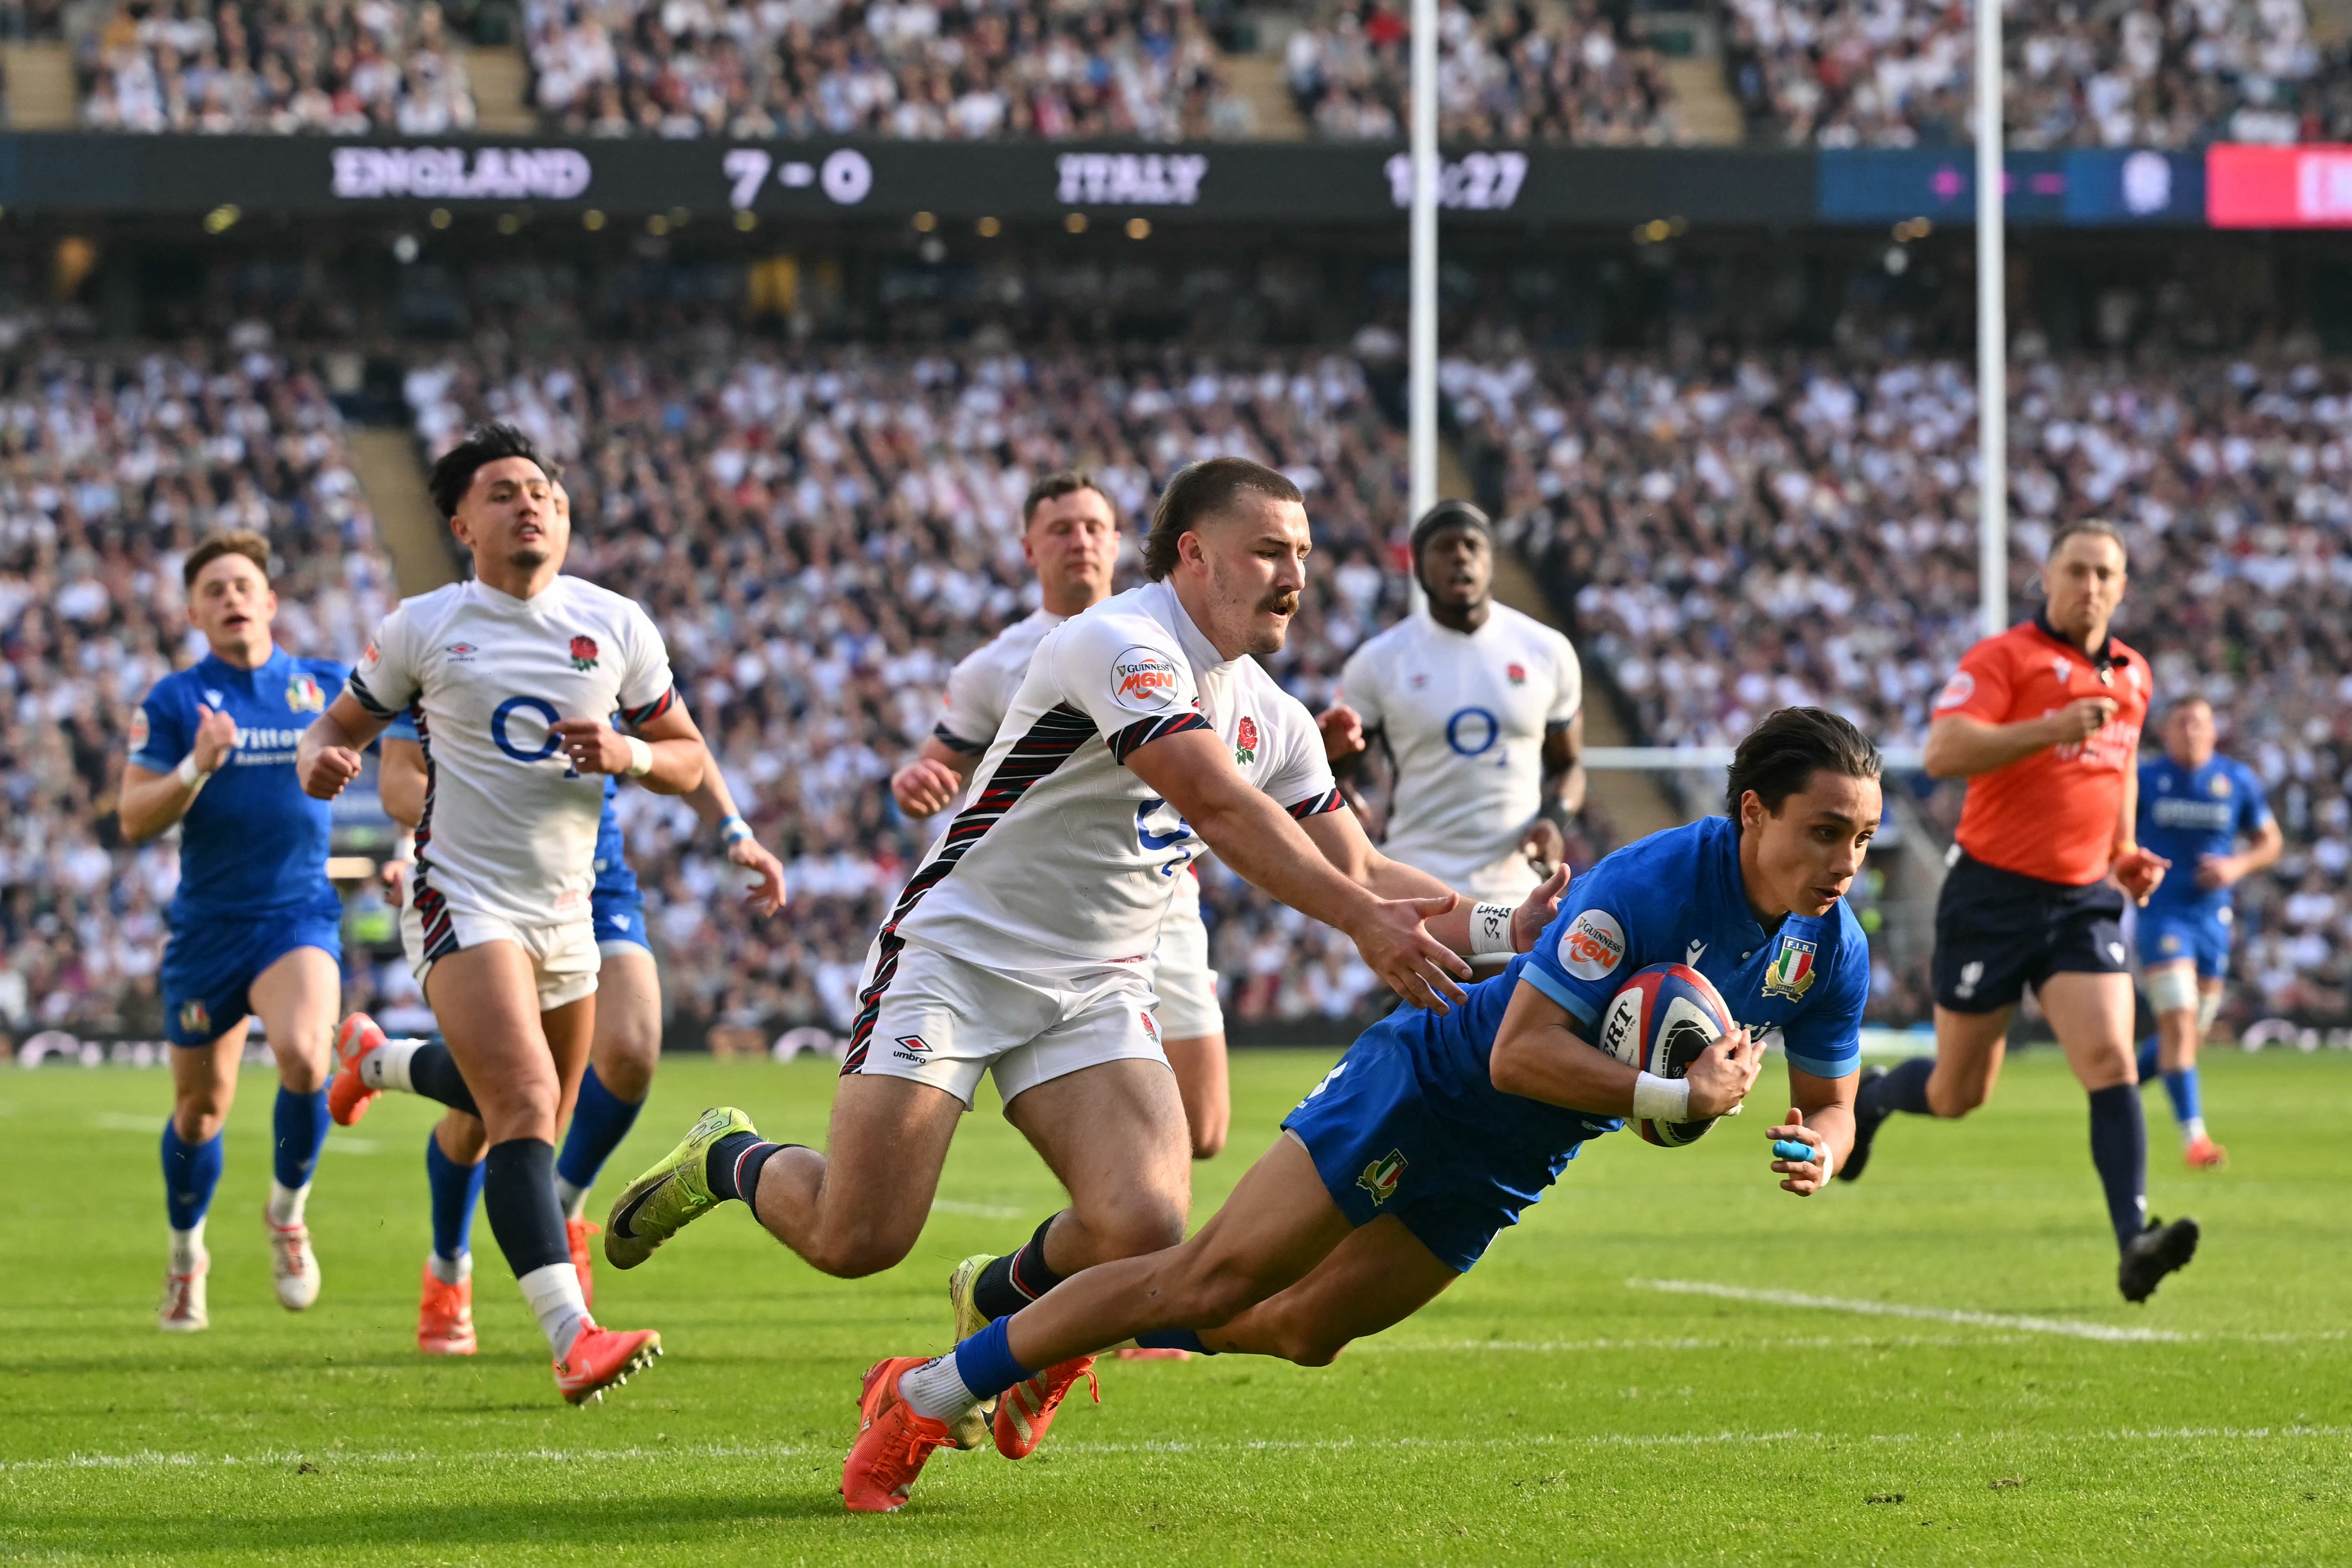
{"x": 1245, "y": 741}
{"x": 1517, "y": 672}
{"x": 584, "y": 653}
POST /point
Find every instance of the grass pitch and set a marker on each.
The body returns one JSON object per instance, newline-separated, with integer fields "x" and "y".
{"x": 1623, "y": 1380}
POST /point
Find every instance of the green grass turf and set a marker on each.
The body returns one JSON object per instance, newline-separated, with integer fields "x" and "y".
{"x": 1546, "y": 1409}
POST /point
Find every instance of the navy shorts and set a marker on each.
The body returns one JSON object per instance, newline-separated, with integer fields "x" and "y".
{"x": 2167, "y": 936}
{"x": 620, "y": 919}
{"x": 210, "y": 963}
{"x": 1998, "y": 932}
{"x": 1380, "y": 1149}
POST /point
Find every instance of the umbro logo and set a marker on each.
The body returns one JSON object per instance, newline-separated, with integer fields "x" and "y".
{"x": 912, "y": 1048}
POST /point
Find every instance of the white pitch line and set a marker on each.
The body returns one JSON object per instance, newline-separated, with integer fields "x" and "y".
{"x": 150, "y": 1460}
{"x": 2069, "y": 1327}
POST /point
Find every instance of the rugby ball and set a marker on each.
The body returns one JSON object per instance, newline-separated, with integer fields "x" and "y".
{"x": 1659, "y": 1022}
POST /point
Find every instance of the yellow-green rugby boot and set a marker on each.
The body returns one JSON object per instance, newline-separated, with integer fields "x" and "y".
{"x": 975, "y": 1428}
{"x": 659, "y": 1203}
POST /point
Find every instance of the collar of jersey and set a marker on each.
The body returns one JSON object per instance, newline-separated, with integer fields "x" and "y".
{"x": 233, "y": 672}
{"x": 1734, "y": 888}
{"x": 499, "y": 599}
{"x": 1197, "y": 648}
{"x": 2109, "y": 655}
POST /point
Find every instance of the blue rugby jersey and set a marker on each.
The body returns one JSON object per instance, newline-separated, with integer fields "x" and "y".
{"x": 2186, "y": 813}
{"x": 251, "y": 843}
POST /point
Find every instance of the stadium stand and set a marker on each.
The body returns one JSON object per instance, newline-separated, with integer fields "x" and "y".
{"x": 112, "y": 465}
{"x": 1840, "y": 73}
{"x": 1510, "y": 72}
{"x": 923, "y": 71}
{"x": 1771, "y": 530}
{"x": 331, "y": 67}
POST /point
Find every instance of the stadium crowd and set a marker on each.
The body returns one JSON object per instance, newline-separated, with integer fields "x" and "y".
{"x": 1507, "y": 71}
{"x": 1769, "y": 531}
{"x": 1844, "y": 74}
{"x": 967, "y": 69}
{"x": 112, "y": 465}
{"x": 332, "y": 66}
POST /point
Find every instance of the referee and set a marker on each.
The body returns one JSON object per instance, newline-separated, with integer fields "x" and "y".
{"x": 2044, "y": 721}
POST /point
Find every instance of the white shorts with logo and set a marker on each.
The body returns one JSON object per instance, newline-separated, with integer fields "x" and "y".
{"x": 563, "y": 956}
{"x": 1181, "y": 978}
{"x": 943, "y": 1021}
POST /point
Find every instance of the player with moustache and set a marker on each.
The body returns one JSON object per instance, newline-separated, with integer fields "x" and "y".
{"x": 598, "y": 1109}
{"x": 2195, "y": 806}
{"x": 1436, "y": 1131}
{"x": 1478, "y": 711}
{"x": 2043, "y": 720}
{"x": 513, "y": 678}
{"x": 255, "y": 927}
{"x": 1021, "y": 946}
{"x": 1070, "y": 537}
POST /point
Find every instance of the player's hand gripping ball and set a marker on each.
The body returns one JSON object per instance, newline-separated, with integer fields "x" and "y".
{"x": 1659, "y": 1021}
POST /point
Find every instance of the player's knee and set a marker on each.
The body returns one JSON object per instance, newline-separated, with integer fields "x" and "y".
{"x": 854, "y": 1254}
{"x": 1305, "y": 1347}
{"x": 1208, "y": 1143}
{"x": 199, "y": 1118}
{"x": 1957, "y": 1098}
{"x": 1145, "y": 1226}
{"x": 625, "y": 1059}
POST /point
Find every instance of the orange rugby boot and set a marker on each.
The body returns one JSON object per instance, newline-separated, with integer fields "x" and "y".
{"x": 893, "y": 1442}
{"x": 444, "y": 1316}
{"x": 576, "y": 1232}
{"x": 603, "y": 1358}
{"x": 2204, "y": 1154}
{"x": 1025, "y": 1414}
{"x": 348, "y": 1096}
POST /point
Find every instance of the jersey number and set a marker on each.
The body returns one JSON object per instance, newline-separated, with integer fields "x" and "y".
{"x": 548, "y": 743}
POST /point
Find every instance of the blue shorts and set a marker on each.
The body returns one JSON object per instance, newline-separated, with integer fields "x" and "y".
{"x": 1380, "y": 1148}
{"x": 2167, "y": 936}
{"x": 620, "y": 919}
{"x": 211, "y": 962}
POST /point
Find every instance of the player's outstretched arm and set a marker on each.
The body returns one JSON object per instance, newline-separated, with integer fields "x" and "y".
{"x": 924, "y": 786}
{"x": 1961, "y": 747}
{"x": 151, "y": 802}
{"x": 328, "y": 755}
{"x": 1468, "y": 927}
{"x": 1192, "y": 771}
{"x": 715, "y": 804}
{"x": 666, "y": 754}
{"x": 1538, "y": 1055}
{"x": 1822, "y": 1116}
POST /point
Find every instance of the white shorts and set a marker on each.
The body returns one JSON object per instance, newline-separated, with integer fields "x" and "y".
{"x": 942, "y": 1021}
{"x": 1181, "y": 978}
{"x": 1509, "y": 879}
{"x": 563, "y": 956}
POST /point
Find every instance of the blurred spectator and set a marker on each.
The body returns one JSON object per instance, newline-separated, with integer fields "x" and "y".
{"x": 335, "y": 66}
{"x": 921, "y": 70}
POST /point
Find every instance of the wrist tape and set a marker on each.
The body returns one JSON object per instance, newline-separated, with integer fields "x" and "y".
{"x": 1490, "y": 930}
{"x": 1659, "y": 1098}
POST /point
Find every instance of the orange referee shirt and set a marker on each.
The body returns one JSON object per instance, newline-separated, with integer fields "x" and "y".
{"x": 2053, "y": 815}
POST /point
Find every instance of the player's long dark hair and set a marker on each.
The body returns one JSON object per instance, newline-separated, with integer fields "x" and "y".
{"x": 483, "y": 445}
{"x": 1780, "y": 756}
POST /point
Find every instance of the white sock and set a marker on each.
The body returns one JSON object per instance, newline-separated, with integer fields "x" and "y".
{"x": 554, "y": 1298}
{"x": 386, "y": 1067}
{"x": 935, "y": 1389}
{"x": 188, "y": 1248}
{"x": 286, "y": 1204}
{"x": 574, "y": 1199}
{"x": 450, "y": 1270}
{"x": 2192, "y": 1129}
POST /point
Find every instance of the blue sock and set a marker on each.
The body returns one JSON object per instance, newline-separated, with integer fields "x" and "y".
{"x": 1175, "y": 1340}
{"x": 985, "y": 1363}
{"x": 191, "y": 1172}
{"x": 599, "y": 1122}
{"x": 2147, "y": 1058}
{"x": 2187, "y": 1105}
{"x": 456, "y": 1189}
{"x": 299, "y": 1122}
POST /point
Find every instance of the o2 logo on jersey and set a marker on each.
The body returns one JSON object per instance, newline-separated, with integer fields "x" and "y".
{"x": 1144, "y": 680}
{"x": 1473, "y": 732}
{"x": 548, "y": 743}
{"x": 1593, "y": 946}
{"x": 1157, "y": 826}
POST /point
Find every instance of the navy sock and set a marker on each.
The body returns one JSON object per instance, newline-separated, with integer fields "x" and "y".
{"x": 433, "y": 1073}
{"x": 1011, "y": 1282}
{"x": 2119, "y": 1150}
{"x": 984, "y": 1363}
{"x": 519, "y": 1191}
{"x": 1904, "y": 1087}
{"x": 2182, "y": 1087}
{"x": 599, "y": 1122}
{"x": 456, "y": 1189}
{"x": 2148, "y": 1059}
{"x": 191, "y": 1172}
{"x": 732, "y": 1166}
{"x": 1175, "y": 1340}
{"x": 300, "y": 1122}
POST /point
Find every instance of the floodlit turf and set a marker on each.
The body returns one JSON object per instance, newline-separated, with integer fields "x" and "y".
{"x": 1552, "y": 1407}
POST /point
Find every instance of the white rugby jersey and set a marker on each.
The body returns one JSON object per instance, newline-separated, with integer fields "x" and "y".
{"x": 981, "y": 685}
{"x": 1065, "y": 857}
{"x": 1464, "y": 716}
{"x": 509, "y": 828}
